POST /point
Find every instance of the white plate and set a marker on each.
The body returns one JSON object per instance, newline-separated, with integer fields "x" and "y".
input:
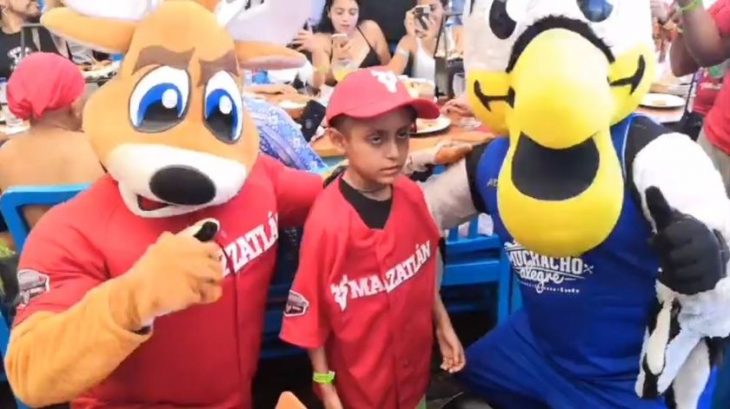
{"x": 291, "y": 105}
{"x": 662, "y": 101}
{"x": 100, "y": 72}
{"x": 426, "y": 126}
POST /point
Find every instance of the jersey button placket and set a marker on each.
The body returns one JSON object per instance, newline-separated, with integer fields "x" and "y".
{"x": 394, "y": 330}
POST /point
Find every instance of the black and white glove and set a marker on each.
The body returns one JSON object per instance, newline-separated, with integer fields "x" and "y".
{"x": 693, "y": 257}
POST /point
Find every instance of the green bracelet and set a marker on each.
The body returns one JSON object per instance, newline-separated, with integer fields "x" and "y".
{"x": 695, "y": 4}
{"x": 323, "y": 378}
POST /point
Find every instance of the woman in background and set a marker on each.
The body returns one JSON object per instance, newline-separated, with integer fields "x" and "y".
{"x": 363, "y": 43}
{"x": 419, "y": 44}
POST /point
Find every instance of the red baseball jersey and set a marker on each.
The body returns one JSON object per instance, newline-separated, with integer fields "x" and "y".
{"x": 367, "y": 296}
{"x": 205, "y": 356}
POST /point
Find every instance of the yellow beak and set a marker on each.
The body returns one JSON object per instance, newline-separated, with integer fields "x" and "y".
{"x": 562, "y": 94}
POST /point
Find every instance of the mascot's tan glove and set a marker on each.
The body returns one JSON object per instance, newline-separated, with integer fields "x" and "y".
{"x": 56, "y": 357}
{"x": 445, "y": 152}
{"x": 176, "y": 272}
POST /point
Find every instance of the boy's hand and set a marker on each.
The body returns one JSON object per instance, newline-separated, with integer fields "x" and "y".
{"x": 330, "y": 398}
{"x": 451, "y": 349}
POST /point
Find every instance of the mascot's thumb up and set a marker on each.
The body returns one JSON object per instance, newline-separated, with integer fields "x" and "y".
{"x": 692, "y": 257}
{"x": 692, "y": 261}
{"x": 176, "y": 272}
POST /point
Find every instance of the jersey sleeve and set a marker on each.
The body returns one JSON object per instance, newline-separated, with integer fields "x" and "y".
{"x": 295, "y": 192}
{"x": 68, "y": 325}
{"x": 58, "y": 266}
{"x": 306, "y": 322}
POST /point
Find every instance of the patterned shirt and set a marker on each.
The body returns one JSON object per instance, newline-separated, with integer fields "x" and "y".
{"x": 281, "y": 137}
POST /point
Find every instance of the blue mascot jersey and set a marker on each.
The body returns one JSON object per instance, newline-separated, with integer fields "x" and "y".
{"x": 587, "y": 314}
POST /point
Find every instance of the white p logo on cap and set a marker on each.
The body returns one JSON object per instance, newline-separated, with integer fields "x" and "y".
{"x": 388, "y": 79}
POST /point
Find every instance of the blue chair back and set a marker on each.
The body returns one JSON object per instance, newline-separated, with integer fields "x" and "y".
{"x": 473, "y": 265}
{"x": 12, "y": 203}
{"x": 15, "y": 199}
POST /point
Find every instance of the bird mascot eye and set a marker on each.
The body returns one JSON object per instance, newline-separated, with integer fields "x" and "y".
{"x": 223, "y": 107}
{"x": 500, "y": 22}
{"x": 159, "y": 100}
{"x": 596, "y": 10}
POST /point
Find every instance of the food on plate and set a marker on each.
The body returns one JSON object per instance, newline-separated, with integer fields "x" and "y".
{"x": 432, "y": 125}
{"x": 419, "y": 88}
{"x": 97, "y": 65}
{"x": 427, "y": 123}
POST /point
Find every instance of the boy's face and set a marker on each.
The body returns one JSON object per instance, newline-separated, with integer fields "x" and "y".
{"x": 376, "y": 148}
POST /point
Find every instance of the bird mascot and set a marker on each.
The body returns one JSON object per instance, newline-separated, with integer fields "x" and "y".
{"x": 615, "y": 227}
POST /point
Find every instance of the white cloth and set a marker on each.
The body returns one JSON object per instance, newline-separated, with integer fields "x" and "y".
{"x": 305, "y": 72}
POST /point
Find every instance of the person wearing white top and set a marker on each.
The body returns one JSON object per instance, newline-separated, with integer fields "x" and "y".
{"x": 419, "y": 43}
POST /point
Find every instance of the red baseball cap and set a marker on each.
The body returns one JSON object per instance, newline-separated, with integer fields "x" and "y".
{"x": 370, "y": 92}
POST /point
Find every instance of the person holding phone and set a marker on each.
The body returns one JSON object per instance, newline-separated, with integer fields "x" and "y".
{"x": 344, "y": 40}
{"x": 422, "y": 24}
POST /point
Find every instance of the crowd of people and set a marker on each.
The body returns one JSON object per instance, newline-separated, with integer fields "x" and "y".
{"x": 367, "y": 279}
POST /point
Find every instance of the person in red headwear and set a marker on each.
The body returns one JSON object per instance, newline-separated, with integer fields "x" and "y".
{"x": 48, "y": 91}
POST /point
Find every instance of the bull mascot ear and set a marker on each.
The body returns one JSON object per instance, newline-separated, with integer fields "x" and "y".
{"x": 99, "y": 25}
{"x": 261, "y": 29}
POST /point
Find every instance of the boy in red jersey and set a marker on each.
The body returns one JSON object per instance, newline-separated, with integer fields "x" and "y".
{"x": 364, "y": 301}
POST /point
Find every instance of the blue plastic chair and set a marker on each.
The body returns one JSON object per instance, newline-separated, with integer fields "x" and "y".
{"x": 473, "y": 262}
{"x": 12, "y": 203}
{"x": 14, "y": 200}
{"x": 286, "y": 264}
{"x": 4, "y": 340}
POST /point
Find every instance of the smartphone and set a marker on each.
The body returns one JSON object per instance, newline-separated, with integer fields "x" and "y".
{"x": 339, "y": 40}
{"x": 422, "y": 15}
{"x": 305, "y": 27}
{"x": 312, "y": 117}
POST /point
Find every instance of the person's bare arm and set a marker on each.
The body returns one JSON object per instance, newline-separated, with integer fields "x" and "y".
{"x": 321, "y": 63}
{"x": 376, "y": 37}
{"x": 680, "y": 59}
{"x": 402, "y": 54}
{"x": 701, "y": 38}
{"x": 319, "y": 365}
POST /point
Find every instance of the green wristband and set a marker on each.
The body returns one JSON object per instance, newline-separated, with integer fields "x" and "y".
{"x": 323, "y": 378}
{"x": 695, "y": 4}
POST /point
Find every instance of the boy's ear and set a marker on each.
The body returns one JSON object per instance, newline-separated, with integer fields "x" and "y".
{"x": 101, "y": 34}
{"x": 264, "y": 56}
{"x": 337, "y": 138}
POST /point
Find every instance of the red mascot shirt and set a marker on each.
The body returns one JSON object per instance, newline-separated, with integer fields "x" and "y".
{"x": 205, "y": 356}
{"x": 367, "y": 296}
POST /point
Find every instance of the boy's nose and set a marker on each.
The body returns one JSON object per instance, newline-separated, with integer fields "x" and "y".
{"x": 392, "y": 150}
{"x": 182, "y": 185}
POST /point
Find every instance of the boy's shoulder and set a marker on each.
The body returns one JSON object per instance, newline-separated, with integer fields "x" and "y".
{"x": 329, "y": 209}
{"x": 409, "y": 189}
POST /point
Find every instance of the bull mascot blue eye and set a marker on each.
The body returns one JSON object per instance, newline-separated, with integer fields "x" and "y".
{"x": 159, "y": 100}
{"x": 223, "y": 107}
